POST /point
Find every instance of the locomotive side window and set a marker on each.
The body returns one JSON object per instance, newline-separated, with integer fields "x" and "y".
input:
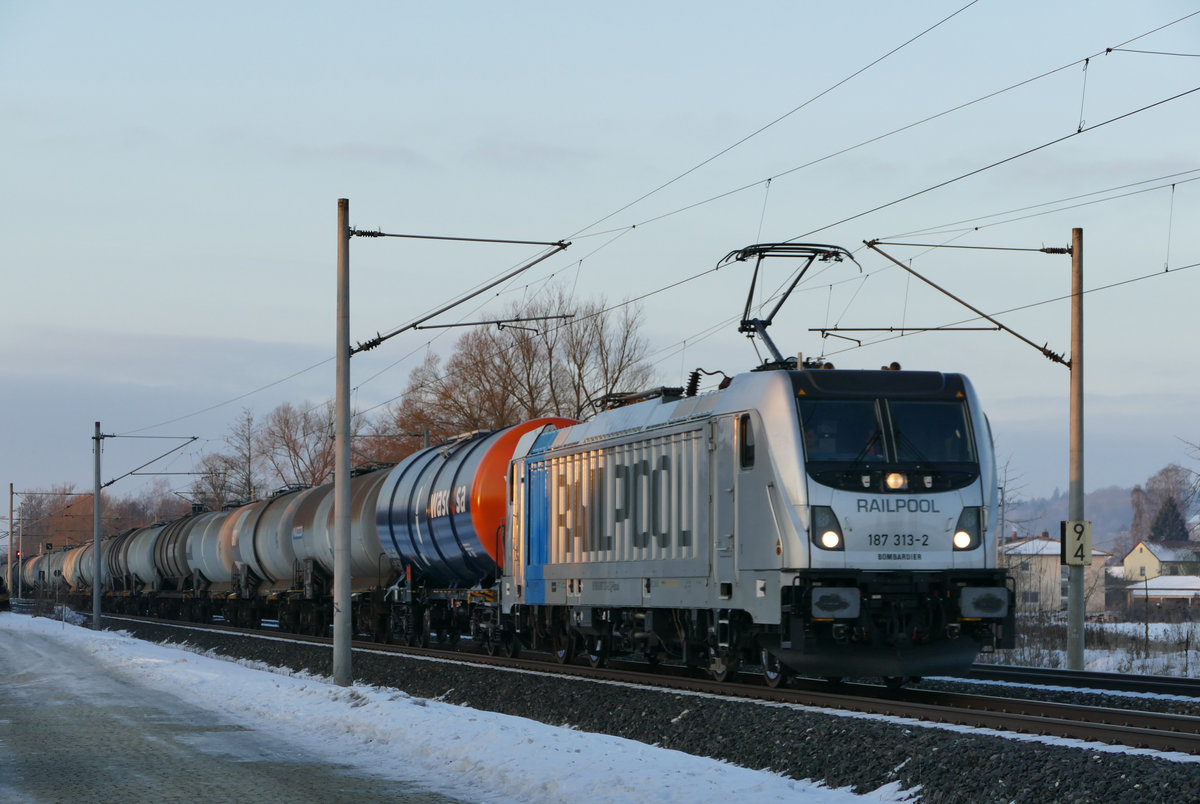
{"x": 745, "y": 441}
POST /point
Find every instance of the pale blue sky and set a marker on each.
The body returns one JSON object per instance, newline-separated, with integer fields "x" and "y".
{"x": 171, "y": 173}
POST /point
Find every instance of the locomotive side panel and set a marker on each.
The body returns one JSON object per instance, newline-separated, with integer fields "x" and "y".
{"x": 616, "y": 524}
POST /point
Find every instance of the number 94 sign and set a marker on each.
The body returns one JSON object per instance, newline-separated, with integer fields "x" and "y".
{"x": 1076, "y": 543}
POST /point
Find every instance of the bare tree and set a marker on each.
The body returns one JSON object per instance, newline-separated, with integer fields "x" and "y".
{"x": 214, "y": 487}
{"x": 297, "y": 443}
{"x": 244, "y": 462}
{"x": 497, "y": 376}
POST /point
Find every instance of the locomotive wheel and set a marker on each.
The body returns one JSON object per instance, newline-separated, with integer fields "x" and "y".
{"x": 564, "y": 648}
{"x": 597, "y": 652}
{"x": 893, "y": 683}
{"x": 723, "y": 667}
{"x": 774, "y": 673}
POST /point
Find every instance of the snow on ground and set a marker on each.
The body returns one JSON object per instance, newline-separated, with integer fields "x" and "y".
{"x": 453, "y": 750}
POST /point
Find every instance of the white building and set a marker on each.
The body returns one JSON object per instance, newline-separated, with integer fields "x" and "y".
{"x": 1041, "y": 580}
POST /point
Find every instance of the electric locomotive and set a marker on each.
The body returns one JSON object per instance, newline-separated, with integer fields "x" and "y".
{"x": 813, "y": 521}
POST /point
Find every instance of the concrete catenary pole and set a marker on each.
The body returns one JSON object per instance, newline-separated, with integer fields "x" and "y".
{"x": 1076, "y": 574}
{"x": 96, "y": 564}
{"x": 8, "y": 582}
{"x": 342, "y": 621}
{"x": 20, "y": 544}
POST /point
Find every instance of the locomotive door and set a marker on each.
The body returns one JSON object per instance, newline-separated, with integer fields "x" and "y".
{"x": 724, "y": 502}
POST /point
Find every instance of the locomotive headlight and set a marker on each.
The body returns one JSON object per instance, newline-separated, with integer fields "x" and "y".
{"x": 825, "y": 529}
{"x": 896, "y": 481}
{"x": 968, "y": 533}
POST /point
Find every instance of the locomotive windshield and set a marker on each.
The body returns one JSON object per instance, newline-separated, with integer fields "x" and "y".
{"x": 845, "y": 439}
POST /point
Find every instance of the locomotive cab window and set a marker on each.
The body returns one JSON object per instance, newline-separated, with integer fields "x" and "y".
{"x": 745, "y": 441}
{"x": 889, "y": 445}
{"x": 931, "y": 432}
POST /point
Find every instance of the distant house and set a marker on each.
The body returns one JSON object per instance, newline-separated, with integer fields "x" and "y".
{"x": 1152, "y": 559}
{"x": 1041, "y": 579}
{"x": 1174, "y": 595}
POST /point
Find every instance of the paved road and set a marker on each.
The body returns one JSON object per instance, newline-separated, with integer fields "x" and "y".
{"x": 69, "y": 732}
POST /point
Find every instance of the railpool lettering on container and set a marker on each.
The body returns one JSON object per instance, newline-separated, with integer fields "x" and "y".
{"x": 895, "y": 505}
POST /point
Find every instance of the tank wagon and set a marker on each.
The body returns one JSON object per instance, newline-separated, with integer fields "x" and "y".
{"x": 801, "y": 519}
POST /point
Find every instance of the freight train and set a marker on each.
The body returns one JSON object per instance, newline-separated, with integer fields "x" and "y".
{"x": 802, "y": 520}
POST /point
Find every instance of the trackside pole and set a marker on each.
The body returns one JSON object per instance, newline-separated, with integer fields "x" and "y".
{"x": 1076, "y": 573}
{"x": 97, "y": 565}
{"x": 12, "y": 534}
{"x": 342, "y": 622}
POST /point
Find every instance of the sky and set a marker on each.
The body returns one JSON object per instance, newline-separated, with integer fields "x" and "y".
{"x": 168, "y": 203}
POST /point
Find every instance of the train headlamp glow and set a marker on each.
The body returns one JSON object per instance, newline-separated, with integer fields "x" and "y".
{"x": 825, "y": 529}
{"x": 896, "y": 481}
{"x": 968, "y": 533}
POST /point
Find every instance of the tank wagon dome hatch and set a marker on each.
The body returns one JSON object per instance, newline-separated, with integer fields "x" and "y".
{"x": 442, "y": 510}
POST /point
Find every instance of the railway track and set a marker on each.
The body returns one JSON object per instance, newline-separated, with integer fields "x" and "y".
{"x": 1131, "y": 727}
{"x": 1079, "y": 679}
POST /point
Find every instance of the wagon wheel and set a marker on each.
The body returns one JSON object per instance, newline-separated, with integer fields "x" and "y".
{"x": 774, "y": 673}
{"x": 426, "y": 629}
{"x": 510, "y": 644}
{"x": 893, "y": 683}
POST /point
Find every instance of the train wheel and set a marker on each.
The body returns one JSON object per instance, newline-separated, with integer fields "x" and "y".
{"x": 383, "y": 628}
{"x": 774, "y": 673}
{"x": 723, "y": 667}
{"x": 427, "y": 629}
{"x": 510, "y": 645}
{"x": 893, "y": 683}
{"x": 564, "y": 647}
{"x": 597, "y": 652}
